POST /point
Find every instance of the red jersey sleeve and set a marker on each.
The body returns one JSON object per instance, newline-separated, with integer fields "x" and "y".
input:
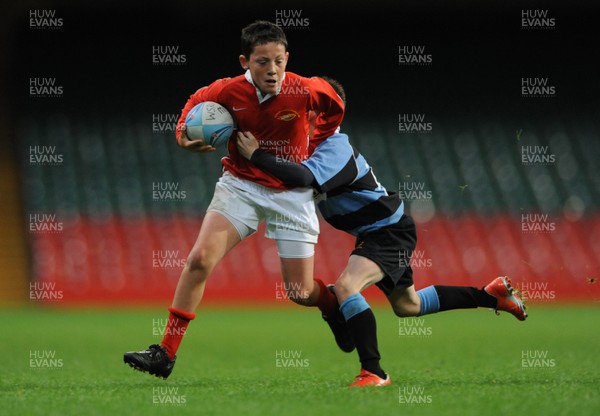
{"x": 329, "y": 107}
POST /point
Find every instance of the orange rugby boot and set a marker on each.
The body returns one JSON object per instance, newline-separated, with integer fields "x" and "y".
{"x": 368, "y": 379}
{"x": 509, "y": 298}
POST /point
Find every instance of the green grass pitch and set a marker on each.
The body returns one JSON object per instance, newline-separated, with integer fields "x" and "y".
{"x": 239, "y": 362}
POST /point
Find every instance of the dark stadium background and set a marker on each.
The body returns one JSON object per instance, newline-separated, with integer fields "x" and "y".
{"x": 102, "y": 125}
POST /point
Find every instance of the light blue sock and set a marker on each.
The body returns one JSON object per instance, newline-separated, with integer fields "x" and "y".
{"x": 353, "y": 305}
{"x": 430, "y": 302}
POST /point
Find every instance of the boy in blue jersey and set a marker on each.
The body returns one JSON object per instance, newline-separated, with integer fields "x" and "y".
{"x": 352, "y": 200}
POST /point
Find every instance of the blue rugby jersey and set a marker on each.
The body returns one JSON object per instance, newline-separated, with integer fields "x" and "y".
{"x": 351, "y": 198}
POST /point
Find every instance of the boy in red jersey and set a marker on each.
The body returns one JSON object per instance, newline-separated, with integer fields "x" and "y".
{"x": 271, "y": 104}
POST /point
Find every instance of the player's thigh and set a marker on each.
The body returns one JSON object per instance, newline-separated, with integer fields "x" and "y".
{"x": 240, "y": 201}
{"x": 405, "y": 301}
{"x": 216, "y": 238}
{"x": 360, "y": 273}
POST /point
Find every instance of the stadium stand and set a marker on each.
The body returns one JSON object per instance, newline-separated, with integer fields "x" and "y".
{"x": 481, "y": 210}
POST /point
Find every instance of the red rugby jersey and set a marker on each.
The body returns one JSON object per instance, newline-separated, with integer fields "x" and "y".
{"x": 279, "y": 122}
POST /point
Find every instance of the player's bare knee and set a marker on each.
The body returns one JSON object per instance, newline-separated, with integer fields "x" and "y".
{"x": 343, "y": 288}
{"x": 400, "y": 312}
{"x": 199, "y": 261}
{"x": 405, "y": 311}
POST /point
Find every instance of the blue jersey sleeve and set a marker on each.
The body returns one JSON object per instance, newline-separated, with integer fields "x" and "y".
{"x": 333, "y": 163}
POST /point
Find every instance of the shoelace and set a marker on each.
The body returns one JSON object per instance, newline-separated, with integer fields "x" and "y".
{"x": 155, "y": 351}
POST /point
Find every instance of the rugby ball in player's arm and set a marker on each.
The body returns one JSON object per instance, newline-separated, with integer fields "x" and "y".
{"x": 210, "y": 122}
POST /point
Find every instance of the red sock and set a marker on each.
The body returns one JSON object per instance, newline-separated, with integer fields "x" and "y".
{"x": 327, "y": 302}
{"x": 175, "y": 330}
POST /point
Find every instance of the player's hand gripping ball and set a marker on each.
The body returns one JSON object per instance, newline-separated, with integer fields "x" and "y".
{"x": 210, "y": 122}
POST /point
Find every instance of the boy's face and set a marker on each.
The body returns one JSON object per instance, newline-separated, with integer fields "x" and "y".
{"x": 266, "y": 64}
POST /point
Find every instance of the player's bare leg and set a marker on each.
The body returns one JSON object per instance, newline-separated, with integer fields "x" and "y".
{"x": 359, "y": 274}
{"x": 304, "y": 290}
{"x": 498, "y": 295}
{"x": 297, "y": 276}
{"x": 405, "y": 302}
{"x": 216, "y": 238}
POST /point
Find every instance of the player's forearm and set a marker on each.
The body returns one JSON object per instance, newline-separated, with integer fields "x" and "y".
{"x": 293, "y": 174}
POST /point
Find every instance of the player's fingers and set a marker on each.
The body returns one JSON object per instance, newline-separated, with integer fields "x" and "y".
{"x": 249, "y": 135}
{"x": 242, "y": 141}
{"x": 245, "y": 139}
{"x": 193, "y": 145}
{"x": 206, "y": 148}
{"x": 182, "y": 132}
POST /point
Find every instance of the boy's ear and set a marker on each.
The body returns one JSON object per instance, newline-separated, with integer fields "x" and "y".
{"x": 243, "y": 62}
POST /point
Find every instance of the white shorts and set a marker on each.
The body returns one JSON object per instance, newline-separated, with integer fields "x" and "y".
{"x": 289, "y": 214}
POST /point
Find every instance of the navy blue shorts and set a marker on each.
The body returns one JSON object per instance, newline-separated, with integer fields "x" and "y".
{"x": 390, "y": 248}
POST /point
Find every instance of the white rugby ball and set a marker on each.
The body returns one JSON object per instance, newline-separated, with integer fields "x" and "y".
{"x": 210, "y": 122}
